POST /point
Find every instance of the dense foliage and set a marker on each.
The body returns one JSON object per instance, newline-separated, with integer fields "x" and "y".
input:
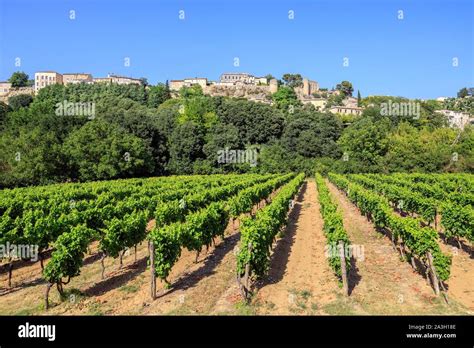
{"x": 138, "y": 130}
{"x": 417, "y": 238}
{"x": 333, "y": 227}
{"x": 259, "y": 232}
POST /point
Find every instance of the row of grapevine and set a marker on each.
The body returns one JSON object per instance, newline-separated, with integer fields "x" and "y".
{"x": 457, "y": 220}
{"x": 461, "y": 195}
{"x": 27, "y": 220}
{"x": 198, "y": 229}
{"x": 259, "y": 232}
{"x": 449, "y": 182}
{"x": 402, "y": 198}
{"x": 334, "y": 231}
{"x": 118, "y": 230}
{"x": 421, "y": 242}
{"x": 176, "y": 210}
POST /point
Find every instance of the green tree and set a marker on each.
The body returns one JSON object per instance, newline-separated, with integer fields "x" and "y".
{"x": 101, "y": 150}
{"x": 346, "y": 88}
{"x": 359, "y": 98}
{"x": 29, "y": 156}
{"x": 462, "y": 158}
{"x": 410, "y": 149}
{"x": 335, "y": 99}
{"x": 269, "y": 77}
{"x": 257, "y": 123}
{"x": 20, "y": 101}
{"x": 364, "y": 144}
{"x": 463, "y": 92}
{"x": 4, "y": 108}
{"x": 220, "y": 137}
{"x": 193, "y": 91}
{"x": 186, "y": 144}
{"x": 284, "y": 97}
{"x": 293, "y": 80}
{"x": 157, "y": 95}
{"x": 19, "y": 79}
{"x": 311, "y": 134}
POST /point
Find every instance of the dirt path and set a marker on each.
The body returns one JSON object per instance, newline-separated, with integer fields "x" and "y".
{"x": 461, "y": 279}
{"x": 300, "y": 280}
{"x": 386, "y": 285}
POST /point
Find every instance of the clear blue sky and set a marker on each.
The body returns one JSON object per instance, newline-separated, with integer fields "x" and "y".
{"x": 410, "y": 57}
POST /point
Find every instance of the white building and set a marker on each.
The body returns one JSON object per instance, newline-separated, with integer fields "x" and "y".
{"x": 176, "y": 85}
{"x": 46, "y": 78}
{"x": 457, "y": 119}
{"x": 245, "y": 78}
{"x": 346, "y": 110}
{"x": 76, "y": 78}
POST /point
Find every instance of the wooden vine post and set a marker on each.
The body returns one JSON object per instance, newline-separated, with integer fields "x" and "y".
{"x": 102, "y": 259}
{"x": 247, "y": 269}
{"x": 434, "y": 277}
{"x": 342, "y": 257}
{"x": 412, "y": 260}
{"x": 151, "y": 248}
{"x": 46, "y": 295}
{"x": 244, "y": 282}
{"x": 10, "y": 271}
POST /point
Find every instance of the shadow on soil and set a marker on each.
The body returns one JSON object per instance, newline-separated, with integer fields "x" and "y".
{"x": 207, "y": 268}
{"x": 126, "y": 274}
{"x": 281, "y": 252}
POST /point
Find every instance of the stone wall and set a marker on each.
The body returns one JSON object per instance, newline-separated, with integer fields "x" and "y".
{"x": 17, "y": 91}
{"x": 253, "y": 92}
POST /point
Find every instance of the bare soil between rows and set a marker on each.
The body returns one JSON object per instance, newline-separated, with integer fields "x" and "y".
{"x": 300, "y": 281}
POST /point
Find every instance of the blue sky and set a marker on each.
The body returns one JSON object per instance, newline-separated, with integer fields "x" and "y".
{"x": 412, "y": 57}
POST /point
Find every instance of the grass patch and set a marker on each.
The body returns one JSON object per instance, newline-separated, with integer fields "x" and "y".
{"x": 339, "y": 307}
{"x": 132, "y": 288}
{"x": 72, "y": 295}
{"x": 94, "y": 309}
{"x": 306, "y": 294}
{"x": 244, "y": 308}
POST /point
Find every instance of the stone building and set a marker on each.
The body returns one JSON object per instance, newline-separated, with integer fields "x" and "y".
{"x": 124, "y": 80}
{"x": 318, "y": 103}
{"x": 245, "y": 78}
{"x": 176, "y": 85}
{"x": 5, "y": 88}
{"x": 77, "y": 78}
{"x": 237, "y": 77}
{"x": 346, "y": 110}
{"x": 46, "y": 78}
{"x": 120, "y": 80}
{"x": 308, "y": 88}
{"x": 101, "y": 80}
{"x": 273, "y": 86}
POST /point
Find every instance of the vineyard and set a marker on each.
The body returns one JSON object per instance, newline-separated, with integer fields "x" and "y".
{"x": 261, "y": 244}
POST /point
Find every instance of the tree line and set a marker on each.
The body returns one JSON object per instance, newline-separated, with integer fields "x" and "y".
{"x": 139, "y": 130}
